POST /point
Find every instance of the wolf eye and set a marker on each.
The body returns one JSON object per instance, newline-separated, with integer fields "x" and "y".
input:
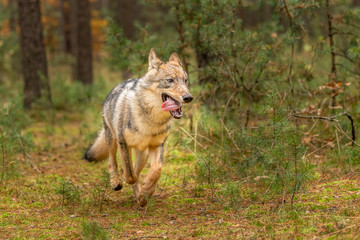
{"x": 186, "y": 81}
{"x": 170, "y": 80}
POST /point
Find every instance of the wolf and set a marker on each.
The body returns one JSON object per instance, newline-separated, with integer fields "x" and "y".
{"x": 137, "y": 116}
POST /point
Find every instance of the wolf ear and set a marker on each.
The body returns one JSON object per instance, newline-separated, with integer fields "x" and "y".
{"x": 154, "y": 61}
{"x": 175, "y": 58}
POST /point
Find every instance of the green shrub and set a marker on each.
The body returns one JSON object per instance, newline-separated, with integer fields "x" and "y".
{"x": 92, "y": 231}
{"x": 13, "y": 141}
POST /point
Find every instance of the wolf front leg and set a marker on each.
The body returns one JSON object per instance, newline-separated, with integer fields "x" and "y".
{"x": 148, "y": 188}
{"x": 141, "y": 158}
{"x": 125, "y": 155}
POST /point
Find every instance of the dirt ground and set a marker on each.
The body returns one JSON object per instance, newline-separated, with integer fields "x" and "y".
{"x": 70, "y": 198}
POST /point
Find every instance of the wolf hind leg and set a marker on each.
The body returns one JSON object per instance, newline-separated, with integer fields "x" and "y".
{"x": 115, "y": 181}
{"x": 140, "y": 162}
{"x": 128, "y": 169}
{"x": 148, "y": 188}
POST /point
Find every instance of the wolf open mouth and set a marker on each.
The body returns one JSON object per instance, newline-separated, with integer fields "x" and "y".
{"x": 171, "y": 105}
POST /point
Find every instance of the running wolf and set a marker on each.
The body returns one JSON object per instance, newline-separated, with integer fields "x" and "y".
{"x": 137, "y": 116}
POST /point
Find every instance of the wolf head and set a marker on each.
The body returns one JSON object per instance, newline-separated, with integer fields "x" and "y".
{"x": 169, "y": 82}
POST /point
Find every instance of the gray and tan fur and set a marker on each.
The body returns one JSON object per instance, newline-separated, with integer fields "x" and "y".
{"x": 134, "y": 121}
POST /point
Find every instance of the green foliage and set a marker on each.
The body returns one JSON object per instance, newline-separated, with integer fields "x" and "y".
{"x": 9, "y": 50}
{"x": 12, "y": 141}
{"x": 133, "y": 55}
{"x": 98, "y": 191}
{"x": 76, "y": 96}
{"x": 92, "y": 231}
{"x": 67, "y": 191}
{"x": 233, "y": 193}
{"x": 272, "y": 155}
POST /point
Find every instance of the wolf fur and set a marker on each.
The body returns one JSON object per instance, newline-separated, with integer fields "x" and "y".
{"x": 134, "y": 121}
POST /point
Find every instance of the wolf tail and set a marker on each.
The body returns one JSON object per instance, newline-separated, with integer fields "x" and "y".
{"x": 98, "y": 150}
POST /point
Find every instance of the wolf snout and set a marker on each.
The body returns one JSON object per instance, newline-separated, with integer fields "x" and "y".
{"x": 187, "y": 98}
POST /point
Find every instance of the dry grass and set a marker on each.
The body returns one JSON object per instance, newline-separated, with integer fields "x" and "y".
{"x": 32, "y": 208}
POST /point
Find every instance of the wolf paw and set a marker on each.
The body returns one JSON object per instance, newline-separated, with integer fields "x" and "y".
{"x": 115, "y": 184}
{"x": 142, "y": 202}
{"x": 117, "y": 187}
{"x": 131, "y": 180}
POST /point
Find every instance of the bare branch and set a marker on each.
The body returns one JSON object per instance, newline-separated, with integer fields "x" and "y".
{"x": 232, "y": 139}
{"x": 334, "y": 119}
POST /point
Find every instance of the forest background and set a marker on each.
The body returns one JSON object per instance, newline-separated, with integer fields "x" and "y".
{"x": 267, "y": 149}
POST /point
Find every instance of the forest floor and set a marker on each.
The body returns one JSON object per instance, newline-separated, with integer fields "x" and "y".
{"x": 70, "y": 199}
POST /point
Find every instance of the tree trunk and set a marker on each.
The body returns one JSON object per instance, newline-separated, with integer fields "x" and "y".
{"x": 125, "y": 14}
{"x": 64, "y": 27}
{"x": 355, "y": 3}
{"x": 12, "y": 17}
{"x": 34, "y": 64}
{"x": 81, "y": 40}
{"x": 333, "y": 74}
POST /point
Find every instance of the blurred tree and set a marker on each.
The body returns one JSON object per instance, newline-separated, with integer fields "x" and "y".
{"x": 356, "y": 3}
{"x": 64, "y": 27}
{"x": 81, "y": 40}
{"x": 12, "y": 17}
{"x": 125, "y": 15}
{"x": 34, "y": 63}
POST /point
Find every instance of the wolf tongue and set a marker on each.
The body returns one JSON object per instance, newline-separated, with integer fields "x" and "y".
{"x": 170, "y": 105}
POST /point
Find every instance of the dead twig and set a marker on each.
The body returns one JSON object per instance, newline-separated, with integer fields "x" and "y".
{"x": 352, "y": 127}
{"x": 342, "y": 230}
{"x": 296, "y": 175}
{"x": 207, "y": 139}
{"x": 346, "y": 135}
{"x": 144, "y": 237}
{"x": 232, "y": 139}
{"x": 331, "y": 119}
{"x": 192, "y": 138}
{"x": 3, "y": 161}
{"x": 318, "y": 149}
{"x": 337, "y": 125}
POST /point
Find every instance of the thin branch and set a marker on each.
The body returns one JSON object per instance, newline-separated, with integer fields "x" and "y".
{"x": 257, "y": 77}
{"x": 290, "y": 70}
{"x": 334, "y": 119}
{"x": 232, "y": 139}
{"x": 192, "y": 138}
{"x": 345, "y": 56}
{"x": 227, "y": 104}
{"x": 343, "y": 33}
{"x": 331, "y": 119}
{"x": 352, "y": 127}
{"x": 144, "y": 237}
{"x": 345, "y": 134}
{"x": 318, "y": 149}
{"x": 207, "y": 139}
{"x": 332, "y": 48}
{"x": 291, "y": 16}
{"x": 25, "y": 154}
{"x": 209, "y": 180}
{"x": 3, "y": 160}
{"x": 347, "y": 69}
{"x": 296, "y": 176}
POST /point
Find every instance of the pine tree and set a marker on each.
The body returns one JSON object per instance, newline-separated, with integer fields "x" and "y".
{"x": 81, "y": 40}
{"x": 34, "y": 63}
